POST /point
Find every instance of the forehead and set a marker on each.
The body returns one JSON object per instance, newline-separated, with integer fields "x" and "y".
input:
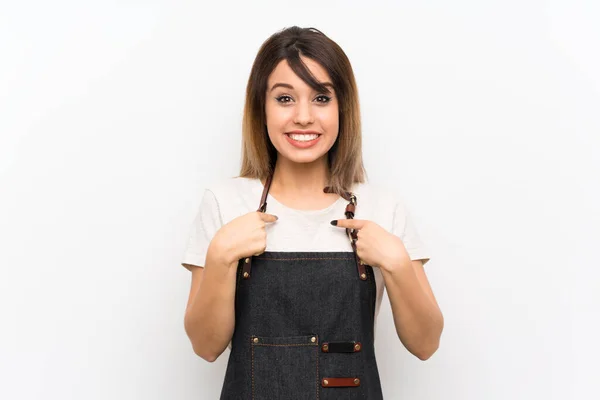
{"x": 284, "y": 73}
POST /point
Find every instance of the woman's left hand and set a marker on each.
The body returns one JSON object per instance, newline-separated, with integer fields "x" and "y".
{"x": 376, "y": 246}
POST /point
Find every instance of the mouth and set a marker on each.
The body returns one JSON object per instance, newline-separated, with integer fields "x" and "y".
{"x": 303, "y": 140}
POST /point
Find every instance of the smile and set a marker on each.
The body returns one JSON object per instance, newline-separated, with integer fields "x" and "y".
{"x": 302, "y": 141}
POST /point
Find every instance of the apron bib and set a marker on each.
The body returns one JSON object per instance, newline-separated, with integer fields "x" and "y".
{"x": 303, "y": 326}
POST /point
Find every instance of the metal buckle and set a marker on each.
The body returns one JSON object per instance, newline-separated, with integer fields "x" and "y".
{"x": 350, "y": 236}
{"x": 263, "y": 207}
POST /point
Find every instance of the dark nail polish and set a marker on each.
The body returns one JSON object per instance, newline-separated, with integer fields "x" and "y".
{"x": 334, "y": 222}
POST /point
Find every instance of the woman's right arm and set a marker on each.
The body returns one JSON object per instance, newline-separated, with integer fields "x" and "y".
{"x": 209, "y": 316}
{"x": 210, "y": 313}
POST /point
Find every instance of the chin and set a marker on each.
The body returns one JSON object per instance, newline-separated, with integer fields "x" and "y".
{"x": 302, "y": 156}
{"x": 302, "y": 159}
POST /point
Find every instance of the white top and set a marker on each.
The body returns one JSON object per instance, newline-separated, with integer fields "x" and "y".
{"x": 301, "y": 230}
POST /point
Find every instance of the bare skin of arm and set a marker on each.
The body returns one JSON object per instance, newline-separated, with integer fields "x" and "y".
{"x": 209, "y": 316}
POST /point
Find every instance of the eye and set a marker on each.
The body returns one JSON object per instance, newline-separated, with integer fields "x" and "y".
{"x": 284, "y": 99}
{"x": 324, "y": 99}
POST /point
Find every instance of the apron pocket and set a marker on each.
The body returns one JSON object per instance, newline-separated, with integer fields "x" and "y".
{"x": 285, "y": 367}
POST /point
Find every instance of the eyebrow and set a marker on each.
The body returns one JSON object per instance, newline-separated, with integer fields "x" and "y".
{"x": 287, "y": 85}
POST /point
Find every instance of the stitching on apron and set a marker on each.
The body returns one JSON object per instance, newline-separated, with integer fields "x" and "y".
{"x": 371, "y": 277}
{"x": 373, "y": 293}
{"x": 310, "y": 258}
{"x": 281, "y": 345}
{"x": 252, "y": 367}
{"x": 318, "y": 378}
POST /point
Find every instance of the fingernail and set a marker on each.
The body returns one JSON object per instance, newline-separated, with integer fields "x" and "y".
{"x": 334, "y": 222}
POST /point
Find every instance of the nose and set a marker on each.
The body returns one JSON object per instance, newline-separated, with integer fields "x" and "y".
{"x": 304, "y": 115}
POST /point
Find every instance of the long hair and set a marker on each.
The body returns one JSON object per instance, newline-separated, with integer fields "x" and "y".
{"x": 258, "y": 153}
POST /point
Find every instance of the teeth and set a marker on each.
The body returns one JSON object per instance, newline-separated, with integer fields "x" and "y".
{"x": 303, "y": 138}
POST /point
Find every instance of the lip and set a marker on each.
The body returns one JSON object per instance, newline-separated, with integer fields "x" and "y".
{"x": 304, "y": 133}
{"x": 302, "y": 145}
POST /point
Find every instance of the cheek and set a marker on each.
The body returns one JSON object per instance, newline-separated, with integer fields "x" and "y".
{"x": 269, "y": 114}
{"x": 276, "y": 115}
{"x": 277, "y": 120}
{"x": 330, "y": 119}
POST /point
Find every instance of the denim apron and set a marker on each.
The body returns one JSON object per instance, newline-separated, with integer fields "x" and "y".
{"x": 304, "y": 325}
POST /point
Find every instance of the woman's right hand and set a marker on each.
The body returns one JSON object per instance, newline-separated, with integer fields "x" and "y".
{"x": 243, "y": 237}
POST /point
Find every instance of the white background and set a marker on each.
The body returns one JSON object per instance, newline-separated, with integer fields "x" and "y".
{"x": 115, "y": 115}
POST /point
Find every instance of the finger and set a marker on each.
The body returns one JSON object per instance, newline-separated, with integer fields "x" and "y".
{"x": 268, "y": 217}
{"x": 349, "y": 223}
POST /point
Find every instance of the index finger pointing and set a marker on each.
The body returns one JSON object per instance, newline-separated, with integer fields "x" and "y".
{"x": 349, "y": 223}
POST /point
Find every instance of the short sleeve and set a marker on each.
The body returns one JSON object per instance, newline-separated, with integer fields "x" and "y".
{"x": 405, "y": 229}
{"x": 206, "y": 224}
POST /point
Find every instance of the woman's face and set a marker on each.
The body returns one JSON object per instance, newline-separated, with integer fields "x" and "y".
{"x": 302, "y": 124}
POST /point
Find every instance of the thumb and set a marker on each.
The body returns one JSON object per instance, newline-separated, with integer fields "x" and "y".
{"x": 268, "y": 217}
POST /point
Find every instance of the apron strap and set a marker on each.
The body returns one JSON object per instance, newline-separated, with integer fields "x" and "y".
{"x": 353, "y": 236}
{"x": 262, "y": 208}
{"x": 263, "y": 199}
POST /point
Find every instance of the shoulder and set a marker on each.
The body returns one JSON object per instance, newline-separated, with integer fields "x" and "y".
{"x": 234, "y": 196}
{"x": 379, "y": 203}
{"x": 228, "y": 187}
{"x": 372, "y": 195}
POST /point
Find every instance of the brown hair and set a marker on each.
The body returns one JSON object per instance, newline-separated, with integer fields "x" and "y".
{"x": 258, "y": 153}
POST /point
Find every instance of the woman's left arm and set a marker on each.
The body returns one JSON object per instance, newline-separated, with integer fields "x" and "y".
{"x": 417, "y": 316}
{"x": 418, "y": 319}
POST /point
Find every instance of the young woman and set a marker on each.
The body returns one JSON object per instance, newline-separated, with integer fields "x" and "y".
{"x": 289, "y": 260}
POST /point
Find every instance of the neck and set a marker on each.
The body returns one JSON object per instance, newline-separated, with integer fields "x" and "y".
{"x": 300, "y": 179}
